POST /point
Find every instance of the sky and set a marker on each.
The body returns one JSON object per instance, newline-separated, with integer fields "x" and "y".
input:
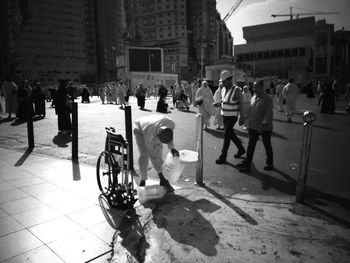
{"x": 255, "y": 12}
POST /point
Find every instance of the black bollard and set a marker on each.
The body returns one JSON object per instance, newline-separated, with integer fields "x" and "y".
{"x": 128, "y": 134}
{"x": 30, "y": 128}
{"x": 199, "y": 141}
{"x": 74, "y": 131}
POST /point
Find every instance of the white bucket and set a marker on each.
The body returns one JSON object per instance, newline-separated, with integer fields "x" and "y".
{"x": 188, "y": 156}
{"x": 172, "y": 167}
{"x": 150, "y": 192}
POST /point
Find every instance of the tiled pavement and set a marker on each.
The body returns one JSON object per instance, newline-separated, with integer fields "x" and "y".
{"x": 50, "y": 211}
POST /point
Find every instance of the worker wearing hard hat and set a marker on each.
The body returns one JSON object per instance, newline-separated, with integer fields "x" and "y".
{"x": 231, "y": 108}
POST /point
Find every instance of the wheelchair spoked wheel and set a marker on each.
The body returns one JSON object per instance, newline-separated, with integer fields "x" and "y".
{"x": 104, "y": 172}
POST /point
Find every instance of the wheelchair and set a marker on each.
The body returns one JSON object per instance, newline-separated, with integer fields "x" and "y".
{"x": 114, "y": 178}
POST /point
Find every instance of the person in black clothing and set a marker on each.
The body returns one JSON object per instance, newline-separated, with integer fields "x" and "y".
{"x": 85, "y": 96}
{"x": 39, "y": 100}
{"x": 25, "y": 103}
{"x": 162, "y": 106}
{"x": 62, "y": 108}
{"x": 328, "y": 102}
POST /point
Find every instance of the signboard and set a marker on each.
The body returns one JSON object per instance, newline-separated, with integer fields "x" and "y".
{"x": 145, "y": 59}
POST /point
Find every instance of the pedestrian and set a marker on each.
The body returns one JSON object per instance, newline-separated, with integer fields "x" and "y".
{"x": 24, "y": 101}
{"x": 121, "y": 93}
{"x": 151, "y": 132}
{"x": 260, "y": 123}
{"x": 85, "y": 96}
{"x": 231, "y": 108}
{"x": 217, "y": 100}
{"x": 63, "y": 108}
{"x": 194, "y": 88}
{"x": 128, "y": 93}
{"x": 290, "y": 93}
{"x": 102, "y": 92}
{"x": 9, "y": 90}
{"x": 141, "y": 96}
{"x": 335, "y": 87}
{"x": 205, "y": 101}
{"x": 279, "y": 95}
{"x": 183, "y": 101}
{"x": 320, "y": 90}
{"x": 38, "y": 97}
{"x": 328, "y": 102}
{"x": 247, "y": 96}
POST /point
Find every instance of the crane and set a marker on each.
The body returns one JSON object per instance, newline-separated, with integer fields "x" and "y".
{"x": 291, "y": 14}
{"x": 233, "y": 8}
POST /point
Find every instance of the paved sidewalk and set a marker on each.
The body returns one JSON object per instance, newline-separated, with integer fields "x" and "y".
{"x": 50, "y": 211}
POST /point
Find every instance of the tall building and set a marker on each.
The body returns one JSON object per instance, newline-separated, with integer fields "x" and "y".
{"x": 300, "y": 49}
{"x": 46, "y": 41}
{"x": 187, "y": 30}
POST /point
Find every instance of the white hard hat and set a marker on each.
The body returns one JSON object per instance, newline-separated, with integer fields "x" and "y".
{"x": 225, "y": 75}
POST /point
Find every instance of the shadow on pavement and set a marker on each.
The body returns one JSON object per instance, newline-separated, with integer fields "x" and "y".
{"x": 6, "y": 120}
{"x": 24, "y": 157}
{"x": 235, "y": 208}
{"x": 62, "y": 140}
{"x": 128, "y": 227}
{"x": 181, "y": 218}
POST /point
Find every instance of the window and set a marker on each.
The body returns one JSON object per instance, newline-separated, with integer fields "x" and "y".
{"x": 302, "y": 51}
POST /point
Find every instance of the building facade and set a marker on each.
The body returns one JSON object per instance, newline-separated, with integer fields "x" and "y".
{"x": 46, "y": 41}
{"x": 300, "y": 49}
{"x": 190, "y": 33}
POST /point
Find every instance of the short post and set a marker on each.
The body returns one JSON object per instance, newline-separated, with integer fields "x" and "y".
{"x": 308, "y": 118}
{"x": 29, "y": 119}
{"x": 199, "y": 141}
{"x": 128, "y": 134}
{"x": 74, "y": 130}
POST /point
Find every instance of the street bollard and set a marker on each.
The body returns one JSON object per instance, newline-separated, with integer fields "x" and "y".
{"x": 30, "y": 128}
{"x": 74, "y": 131}
{"x": 199, "y": 141}
{"x": 308, "y": 118}
{"x": 128, "y": 134}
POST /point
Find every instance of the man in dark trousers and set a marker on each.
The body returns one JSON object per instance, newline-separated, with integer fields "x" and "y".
{"x": 231, "y": 108}
{"x": 260, "y": 123}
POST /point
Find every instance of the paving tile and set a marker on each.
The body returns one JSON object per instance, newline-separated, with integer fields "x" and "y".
{"x": 5, "y": 186}
{"x": 17, "y": 243}
{"x": 13, "y": 173}
{"x": 104, "y": 231}
{"x": 9, "y": 225}
{"x": 27, "y": 181}
{"x": 13, "y": 194}
{"x": 41, "y": 254}
{"x": 54, "y": 196}
{"x": 80, "y": 247}
{"x": 71, "y": 205}
{"x": 55, "y": 229}
{"x": 36, "y": 216}
{"x": 88, "y": 217}
{"x": 3, "y": 213}
{"x": 40, "y": 188}
{"x": 21, "y": 205}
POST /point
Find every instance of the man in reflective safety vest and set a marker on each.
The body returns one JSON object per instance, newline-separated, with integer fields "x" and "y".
{"x": 231, "y": 108}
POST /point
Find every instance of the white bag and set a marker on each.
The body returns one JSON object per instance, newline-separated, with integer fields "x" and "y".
{"x": 150, "y": 192}
{"x": 172, "y": 167}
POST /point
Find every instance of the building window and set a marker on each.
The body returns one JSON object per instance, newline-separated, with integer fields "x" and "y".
{"x": 302, "y": 51}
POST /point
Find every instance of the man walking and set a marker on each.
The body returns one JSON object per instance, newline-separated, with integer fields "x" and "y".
{"x": 231, "y": 107}
{"x": 150, "y": 133}
{"x": 290, "y": 93}
{"x": 260, "y": 123}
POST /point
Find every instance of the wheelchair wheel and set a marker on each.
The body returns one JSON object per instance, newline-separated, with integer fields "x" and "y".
{"x": 104, "y": 172}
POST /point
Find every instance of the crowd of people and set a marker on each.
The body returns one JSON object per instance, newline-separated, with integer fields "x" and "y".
{"x": 23, "y": 100}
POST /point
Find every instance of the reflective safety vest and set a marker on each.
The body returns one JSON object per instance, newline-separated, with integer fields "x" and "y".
{"x": 229, "y": 106}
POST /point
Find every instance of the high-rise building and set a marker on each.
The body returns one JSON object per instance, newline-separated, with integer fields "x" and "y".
{"x": 187, "y": 30}
{"x": 46, "y": 41}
